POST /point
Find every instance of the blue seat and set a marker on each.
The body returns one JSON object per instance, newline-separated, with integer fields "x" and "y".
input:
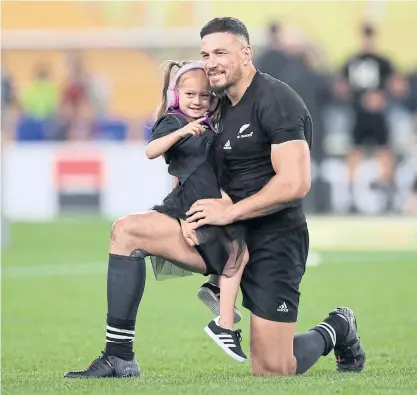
{"x": 30, "y": 129}
{"x": 110, "y": 129}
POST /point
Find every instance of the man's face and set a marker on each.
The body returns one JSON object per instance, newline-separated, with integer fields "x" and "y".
{"x": 224, "y": 56}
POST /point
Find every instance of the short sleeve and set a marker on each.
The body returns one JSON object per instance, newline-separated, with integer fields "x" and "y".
{"x": 165, "y": 126}
{"x": 283, "y": 115}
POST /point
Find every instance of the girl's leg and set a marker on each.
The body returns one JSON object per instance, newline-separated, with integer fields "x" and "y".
{"x": 229, "y": 287}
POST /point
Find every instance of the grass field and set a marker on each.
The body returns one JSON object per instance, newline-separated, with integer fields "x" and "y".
{"x": 54, "y": 309}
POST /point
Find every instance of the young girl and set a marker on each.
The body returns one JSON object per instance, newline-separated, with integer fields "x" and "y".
{"x": 183, "y": 133}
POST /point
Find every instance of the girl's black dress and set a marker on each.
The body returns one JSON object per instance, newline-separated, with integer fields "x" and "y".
{"x": 195, "y": 161}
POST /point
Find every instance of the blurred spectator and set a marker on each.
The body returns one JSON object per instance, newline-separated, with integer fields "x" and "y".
{"x": 84, "y": 95}
{"x": 409, "y": 182}
{"x": 40, "y": 99}
{"x": 75, "y": 90}
{"x": 398, "y": 88}
{"x": 99, "y": 94}
{"x": 399, "y": 115}
{"x": 410, "y": 206}
{"x": 290, "y": 58}
{"x": 75, "y": 112}
{"x": 273, "y": 60}
{"x": 365, "y": 75}
{"x": 7, "y": 95}
{"x": 9, "y": 105}
{"x": 8, "y": 100}
{"x": 411, "y": 100}
{"x": 84, "y": 103}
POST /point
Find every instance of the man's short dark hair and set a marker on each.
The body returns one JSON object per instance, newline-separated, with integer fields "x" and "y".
{"x": 225, "y": 25}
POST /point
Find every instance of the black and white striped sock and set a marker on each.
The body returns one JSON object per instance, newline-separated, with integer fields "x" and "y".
{"x": 332, "y": 328}
{"x": 125, "y": 285}
{"x": 119, "y": 339}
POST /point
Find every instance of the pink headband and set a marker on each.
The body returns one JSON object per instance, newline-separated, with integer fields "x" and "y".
{"x": 187, "y": 67}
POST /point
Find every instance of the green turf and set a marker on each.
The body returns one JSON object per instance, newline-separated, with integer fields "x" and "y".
{"x": 54, "y": 308}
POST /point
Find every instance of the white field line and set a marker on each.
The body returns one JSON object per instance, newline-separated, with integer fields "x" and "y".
{"x": 84, "y": 269}
{"x": 57, "y": 270}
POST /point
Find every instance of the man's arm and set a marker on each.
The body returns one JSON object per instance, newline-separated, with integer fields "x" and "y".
{"x": 288, "y": 126}
{"x": 291, "y": 163}
{"x": 289, "y": 129}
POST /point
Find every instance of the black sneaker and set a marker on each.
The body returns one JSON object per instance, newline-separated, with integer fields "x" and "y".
{"x": 350, "y": 356}
{"x": 107, "y": 366}
{"x": 227, "y": 339}
{"x": 209, "y": 294}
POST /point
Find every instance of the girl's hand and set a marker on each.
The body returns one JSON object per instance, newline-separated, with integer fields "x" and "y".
{"x": 194, "y": 128}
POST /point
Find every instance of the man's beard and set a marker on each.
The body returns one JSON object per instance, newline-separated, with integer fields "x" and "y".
{"x": 220, "y": 90}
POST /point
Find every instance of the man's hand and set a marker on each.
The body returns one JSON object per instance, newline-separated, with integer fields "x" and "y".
{"x": 211, "y": 211}
{"x": 188, "y": 231}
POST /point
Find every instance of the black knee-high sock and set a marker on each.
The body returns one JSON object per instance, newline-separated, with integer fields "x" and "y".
{"x": 125, "y": 285}
{"x": 310, "y": 346}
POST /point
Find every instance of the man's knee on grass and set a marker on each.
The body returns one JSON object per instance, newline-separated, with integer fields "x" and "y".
{"x": 277, "y": 366}
{"x": 270, "y": 360}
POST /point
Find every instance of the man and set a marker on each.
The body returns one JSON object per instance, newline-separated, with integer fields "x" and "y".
{"x": 266, "y": 137}
{"x": 290, "y": 60}
{"x": 274, "y": 60}
{"x": 366, "y": 76}
{"x": 40, "y": 99}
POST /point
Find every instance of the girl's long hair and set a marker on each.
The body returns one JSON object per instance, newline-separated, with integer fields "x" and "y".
{"x": 169, "y": 65}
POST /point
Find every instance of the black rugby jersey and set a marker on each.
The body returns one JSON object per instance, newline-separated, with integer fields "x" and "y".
{"x": 367, "y": 71}
{"x": 270, "y": 112}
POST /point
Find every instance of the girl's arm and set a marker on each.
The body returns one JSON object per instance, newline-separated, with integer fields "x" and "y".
{"x": 159, "y": 146}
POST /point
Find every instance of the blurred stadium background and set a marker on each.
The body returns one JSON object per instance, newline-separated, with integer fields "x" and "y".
{"x": 80, "y": 84}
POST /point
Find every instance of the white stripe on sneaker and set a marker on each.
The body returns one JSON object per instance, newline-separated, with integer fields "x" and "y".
{"x": 224, "y": 347}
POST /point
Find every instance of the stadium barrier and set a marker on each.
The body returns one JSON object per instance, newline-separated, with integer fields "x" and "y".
{"x": 363, "y": 233}
{"x": 46, "y": 182}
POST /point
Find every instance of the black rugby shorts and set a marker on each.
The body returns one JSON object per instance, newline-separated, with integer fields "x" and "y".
{"x": 277, "y": 261}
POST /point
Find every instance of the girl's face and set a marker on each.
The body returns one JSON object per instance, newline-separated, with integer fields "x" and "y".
{"x": 193, "y": 93}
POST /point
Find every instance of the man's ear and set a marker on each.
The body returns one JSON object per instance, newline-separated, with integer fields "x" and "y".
{"x": 247, "y": 55}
